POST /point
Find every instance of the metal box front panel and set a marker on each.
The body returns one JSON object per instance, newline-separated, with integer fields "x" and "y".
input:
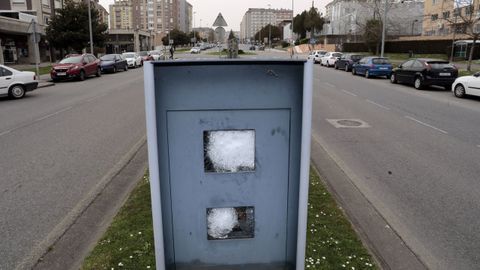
{"x": 194, "y": 190}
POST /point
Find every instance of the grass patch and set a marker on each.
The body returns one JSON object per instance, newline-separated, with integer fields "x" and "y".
{"x": 331, "y": 241}
{"x": 183, "y": 50}
{"x": 128, "y": 242}
{"x": 463, "y": 72}
{"x": 42, "y": 70}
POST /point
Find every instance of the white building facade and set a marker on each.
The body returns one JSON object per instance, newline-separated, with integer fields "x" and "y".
{"x": 256, "y": 18}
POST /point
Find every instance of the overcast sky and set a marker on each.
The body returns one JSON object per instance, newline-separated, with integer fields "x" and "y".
{"x": 233, "y": 10}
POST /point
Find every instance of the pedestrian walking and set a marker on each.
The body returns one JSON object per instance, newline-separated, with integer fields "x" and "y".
{"x": 171, "y": 52}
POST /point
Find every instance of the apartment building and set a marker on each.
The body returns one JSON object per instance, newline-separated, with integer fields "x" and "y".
{"x": 348, "y": 17}
{"x": 443, "y": 17}
{"x": 256, "y": 18}
{"x": 121, "y": 15}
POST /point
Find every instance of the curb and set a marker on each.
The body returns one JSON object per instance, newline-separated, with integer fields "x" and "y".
{"x": 45, "y": 84}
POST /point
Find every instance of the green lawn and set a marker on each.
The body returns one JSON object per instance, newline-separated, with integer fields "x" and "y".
{"x": 331, "y": 241}
{"x": 42, "y": 70}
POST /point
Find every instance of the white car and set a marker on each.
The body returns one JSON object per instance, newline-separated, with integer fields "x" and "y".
{"x": 467, "y": 85}
{"x": 316, "y": 55}
{"x": 133, "y": 59}
{"x": 330, "y": 58}
{"x": 195, "y": 50}
{"x": 15, "y": 84}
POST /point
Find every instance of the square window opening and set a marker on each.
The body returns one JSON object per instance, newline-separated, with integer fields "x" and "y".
{"x": 230, "y": 223}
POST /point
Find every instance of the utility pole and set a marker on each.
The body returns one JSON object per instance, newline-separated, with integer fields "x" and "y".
{"x": 269, "y": 27}
{"x": 90, "y": 27}
{"x": 291, "y": 29}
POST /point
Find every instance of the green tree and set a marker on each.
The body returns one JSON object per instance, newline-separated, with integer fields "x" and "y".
{"x": 179, "y": 38}
{"x": 308, "y": 21}
{"x": 69, "y": 29}
{"x": 372, "y": 34}
{"x": 231, "y": 35}
{"x": 265, "y": 31}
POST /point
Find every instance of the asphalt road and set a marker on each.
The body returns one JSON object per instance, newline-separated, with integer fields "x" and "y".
{"x": 416, "y": 161}
{"x": 57, "y": 144}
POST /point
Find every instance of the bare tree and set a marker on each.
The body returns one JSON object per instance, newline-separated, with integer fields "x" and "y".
{"x": 464, "y": 21}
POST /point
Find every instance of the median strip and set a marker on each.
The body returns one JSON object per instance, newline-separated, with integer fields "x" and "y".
{"x": 331, "y": 241}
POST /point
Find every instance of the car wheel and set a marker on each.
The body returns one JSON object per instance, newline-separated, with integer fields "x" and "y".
{"x": 354, "y": 72}
{"x": 346, "y": 68}
{"x": 459, "y": 91}
{"x": 16, "y": 91}
{"x": 367, "y": 74}
{"x": 393, "y": 78}
{"x": 125, "y": 68}
{"x": 141, "y": 63}
{"x": 99, "y": 72}
{"x": 81, "y": 77}
{"x": 418, "y": 84}
{"x": 135, "y": 65}
{"x": 114, "y": 69}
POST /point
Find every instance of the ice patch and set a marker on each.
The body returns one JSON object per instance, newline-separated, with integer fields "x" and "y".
{"x": 221, "y": 222}
{"x": 230, "y": 150}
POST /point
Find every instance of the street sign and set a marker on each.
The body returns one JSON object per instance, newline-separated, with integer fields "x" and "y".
{"x": 229, "y": 165}
{"x": 170, "y": 42}
{"x": 313, "y": 41}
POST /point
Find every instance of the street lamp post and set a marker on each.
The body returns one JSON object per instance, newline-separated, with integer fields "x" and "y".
{"x": 90, "y": 27}
{"x": 384, "y": 24}
{"x": 291, "y": 28}
{"x": 269, "y": 27}
{"x": 413, "y": 23}
{"x": 194, "y": 36}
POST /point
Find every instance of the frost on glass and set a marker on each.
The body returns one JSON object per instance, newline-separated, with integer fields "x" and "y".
{"x": 229, "y": 150}
{"x": 230, "y": 223}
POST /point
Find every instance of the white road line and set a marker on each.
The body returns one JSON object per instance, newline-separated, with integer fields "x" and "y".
{"x": 477, "y": 145}
{"x": 52, "y": 114}
{"x": 427, "y": 125}
{"x": 379, "y": 105}
{"x": 349, "y": 93}
{"x": 5, "y": 132}
{"x": 329, "y": 84}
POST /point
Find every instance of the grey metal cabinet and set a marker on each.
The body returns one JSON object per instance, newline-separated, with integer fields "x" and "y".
{"x": 225, "y": 150}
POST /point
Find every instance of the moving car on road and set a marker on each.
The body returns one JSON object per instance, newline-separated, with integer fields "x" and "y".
{"x": 158, "y": 55}
{"x": 15, "y": 83}
{"x": 133, "y": 59}
{"x": 347, "y": 60}
{"x": 77, "y": 66}
{"x": 145, "y": 56}
{"x": 195, "y": 50}
{"x": 467, "y": 85}
{"x": 316, "y": 55}
{"x": 113, "y": 63}
{"x": 330, "y": 58}
{"x": 373, "y": 66}
{"x": 422, "y": 72}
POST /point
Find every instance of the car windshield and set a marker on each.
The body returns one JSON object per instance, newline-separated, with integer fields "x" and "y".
{"x": 129, "y": 55}
{"x": 71, "y": 60}
{"x": 108, "y": 57}
{"x": 144, "y": 53}
{"x": 380, "y": 61}
{"x": 336, "y": 54}
{"x": 440, "y": 65}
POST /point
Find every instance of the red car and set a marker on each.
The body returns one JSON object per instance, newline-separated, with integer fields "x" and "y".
{"x": 76, "y": 66}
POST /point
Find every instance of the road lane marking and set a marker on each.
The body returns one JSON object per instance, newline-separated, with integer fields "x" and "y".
{"x": 5, "y": 132}
{"x": 52, "y": 114}
{"x": 477, "y": 145}
{"x": 427, "y": 125}
{"x": 329, "y": 84}
{"x": 379, "y": 105}
{"x": 349, "y": 93}
{"x": 95, "y": 97}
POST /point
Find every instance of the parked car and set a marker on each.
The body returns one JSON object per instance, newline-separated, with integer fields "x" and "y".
{"x": 373, "y": 66}
{"x": 330, "y": 58}
{"x": 252, "y": 48}
{"x": 316, "y": 55}
{"x": 346, "y": 61}
{"x": 423, "y": 72}
{"x": 467, "y": 85}
{"x": 15, "y": 83}
{"x": 145, "y": 56}
{"x": 195, "y": 50}
{"x": 77, "y": 66}
{"x": 133, "y": 59}
{"x": 113, "y": 63}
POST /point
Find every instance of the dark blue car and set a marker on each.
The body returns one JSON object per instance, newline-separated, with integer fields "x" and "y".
{"x": 113, "y": 63}
{"x": 373, "y": 66}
